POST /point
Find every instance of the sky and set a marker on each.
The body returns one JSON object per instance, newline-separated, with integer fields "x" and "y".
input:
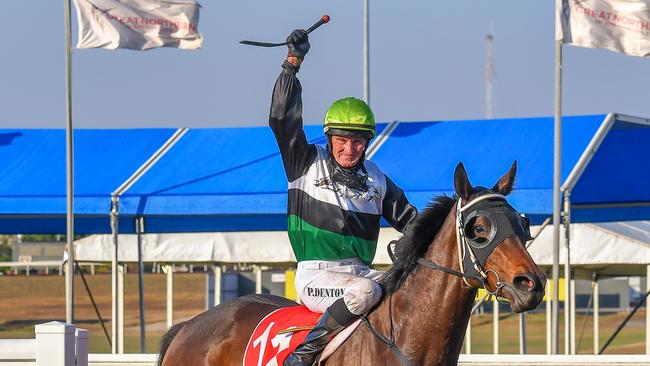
{"x": 427, "y": 62}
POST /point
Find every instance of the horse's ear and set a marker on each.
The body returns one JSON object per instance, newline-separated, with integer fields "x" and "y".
{"x": 504, "y": 185}
{"x": 461, "y": 183}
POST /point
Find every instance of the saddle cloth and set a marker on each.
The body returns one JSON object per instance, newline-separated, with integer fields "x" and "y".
{"x": 273, "y": 339}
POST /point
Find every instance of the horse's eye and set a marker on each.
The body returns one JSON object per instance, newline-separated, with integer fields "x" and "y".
{"x": 479, "y": 230}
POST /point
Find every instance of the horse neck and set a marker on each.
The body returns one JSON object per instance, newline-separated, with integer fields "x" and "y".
{"x": 432, "y": 308}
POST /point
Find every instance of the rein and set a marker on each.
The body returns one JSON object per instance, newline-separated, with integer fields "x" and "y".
{"x": 463, "y": 248}
{"x": 390, "y": 342}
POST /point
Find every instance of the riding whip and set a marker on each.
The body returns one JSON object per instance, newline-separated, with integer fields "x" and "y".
{"x": 324, "y": 19}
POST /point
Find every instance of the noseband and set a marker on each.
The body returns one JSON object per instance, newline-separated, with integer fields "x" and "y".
{"x": 464, "y": 246}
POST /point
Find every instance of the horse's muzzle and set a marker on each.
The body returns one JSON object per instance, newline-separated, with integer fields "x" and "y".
{"x": 526, "y": 291}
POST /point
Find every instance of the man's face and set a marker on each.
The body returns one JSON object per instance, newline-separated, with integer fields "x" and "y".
{"x": 348, "y": 150}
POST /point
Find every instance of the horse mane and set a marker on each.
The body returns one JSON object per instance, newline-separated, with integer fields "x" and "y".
{"x": 417, "y": 238}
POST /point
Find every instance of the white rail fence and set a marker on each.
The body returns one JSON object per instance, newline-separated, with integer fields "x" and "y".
{"x": 56, "y": 344}
{"x": 61, "y": 344}
{"x": 553, "y": 360}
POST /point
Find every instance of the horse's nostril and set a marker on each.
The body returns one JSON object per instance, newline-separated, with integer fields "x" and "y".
{"x": 526, "y": 283}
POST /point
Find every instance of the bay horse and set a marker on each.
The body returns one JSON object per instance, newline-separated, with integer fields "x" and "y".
{"x": 451, "y": 249}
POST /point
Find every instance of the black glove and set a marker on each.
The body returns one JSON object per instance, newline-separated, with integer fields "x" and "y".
{"x": 298, "y": 43}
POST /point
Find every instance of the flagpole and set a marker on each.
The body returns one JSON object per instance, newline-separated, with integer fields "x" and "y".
{"x": 366, "y": 51}
{"x": 557, "y": 161}
{"x": 489, "y": 75}
{"x": 69, "y": 149}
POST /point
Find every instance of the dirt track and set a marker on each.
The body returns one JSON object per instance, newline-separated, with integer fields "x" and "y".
{"x": 26, "y": 301}
{"x": 35, "y": 299}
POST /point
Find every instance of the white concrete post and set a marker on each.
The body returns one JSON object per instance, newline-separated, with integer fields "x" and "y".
{"x": 572, "y": 305}
{"x": 258, "y": 279}
{"x": 495, "y": 330}
{"x": 170, "y": 295}
{"x": 217, "y": 284}
{"x": 81, "y": 347}
{"x": 120, "y": 308}
{"x": 55, "y": 344}
{"x": 596, "y": 316}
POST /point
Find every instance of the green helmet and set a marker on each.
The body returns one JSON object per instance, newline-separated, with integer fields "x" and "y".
{"x": 350, "y": 115}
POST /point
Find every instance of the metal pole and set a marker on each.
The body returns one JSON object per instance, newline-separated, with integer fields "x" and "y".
{"x": 139, "y": 227}
{"x": 366, "y": 51}
{"x": 121, "y": 270}
{"x": 69, "y": 150}
{"x": 468, "y": 336}
{"x": 557, "y": 161}
{"x": 170, "y": 295}
{"x": 596, "y": 315}
{"x": 522, "y": 334}
{"x": 489, "y": 74}
{"x": 548, "y": 319}
{"x": 568, "y": 335}
{"x": 115, "y": 283}
{"x": 115, "y": 196}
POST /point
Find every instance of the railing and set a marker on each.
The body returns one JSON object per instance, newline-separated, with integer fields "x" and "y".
{"x": 56, "y": 344}
{"x": 60, "y": 344}
{"x": 29, "y": 265}
{"x": 126, "y": 359}
{"x": 465, "y": 360}
{"x": 553, "y": 360}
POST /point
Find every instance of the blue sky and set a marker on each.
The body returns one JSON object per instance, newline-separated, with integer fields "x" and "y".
{"x": 427, "y": 63}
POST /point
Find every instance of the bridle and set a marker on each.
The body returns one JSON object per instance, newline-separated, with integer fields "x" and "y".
{"x": 471, "y": 259}
{"x": 464, "y": 247}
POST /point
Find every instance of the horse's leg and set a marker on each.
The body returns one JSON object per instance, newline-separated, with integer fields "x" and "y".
{"x": 218, "y": 336}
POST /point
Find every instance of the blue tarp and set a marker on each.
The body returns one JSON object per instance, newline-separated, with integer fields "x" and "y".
{"x": 232, "y": 179}
{"x": 33, "y": 179}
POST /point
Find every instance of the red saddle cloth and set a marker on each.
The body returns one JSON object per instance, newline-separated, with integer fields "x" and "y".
{"x": 267, "y": 347}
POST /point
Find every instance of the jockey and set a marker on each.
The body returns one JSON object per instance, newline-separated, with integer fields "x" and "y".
{"x": 336, "y": 201}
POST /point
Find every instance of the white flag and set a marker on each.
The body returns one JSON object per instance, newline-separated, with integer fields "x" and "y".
{"x": 618, "y": 25}
{"x": 138, "y": 24}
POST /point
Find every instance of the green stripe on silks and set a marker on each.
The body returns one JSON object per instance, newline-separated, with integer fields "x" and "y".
{"x": 312, "y": 243}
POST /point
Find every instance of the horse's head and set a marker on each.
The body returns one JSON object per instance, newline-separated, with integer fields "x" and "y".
{"x": 492, "y": 242}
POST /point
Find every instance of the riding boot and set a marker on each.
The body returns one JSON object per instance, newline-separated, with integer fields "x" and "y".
{"x": 333, "y": 320}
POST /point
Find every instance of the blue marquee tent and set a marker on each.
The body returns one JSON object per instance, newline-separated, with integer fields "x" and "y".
{"x": 231, "y": 179}
{"x": 605, "y": 162}
{"x": 33, "y": 181}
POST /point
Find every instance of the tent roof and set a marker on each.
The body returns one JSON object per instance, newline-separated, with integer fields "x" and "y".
{"x": 231, "y": 179}
{"x": 488, "y": 147}
{"x": 33, "y": 180}
{"x": 611, "y": 248}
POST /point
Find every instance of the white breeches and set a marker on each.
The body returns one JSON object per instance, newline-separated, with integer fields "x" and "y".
{"x": 320, "y": 283}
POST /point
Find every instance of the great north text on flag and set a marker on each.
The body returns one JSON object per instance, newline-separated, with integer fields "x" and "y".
{"x": 138, "y": 24}
{"x": 618, "y": 25}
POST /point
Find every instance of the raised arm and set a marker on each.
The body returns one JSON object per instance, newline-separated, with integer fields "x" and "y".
{"x": 285, "y": 118}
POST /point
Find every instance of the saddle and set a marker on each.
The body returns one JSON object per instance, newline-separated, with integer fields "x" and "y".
{"x": 280, "y": 332}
